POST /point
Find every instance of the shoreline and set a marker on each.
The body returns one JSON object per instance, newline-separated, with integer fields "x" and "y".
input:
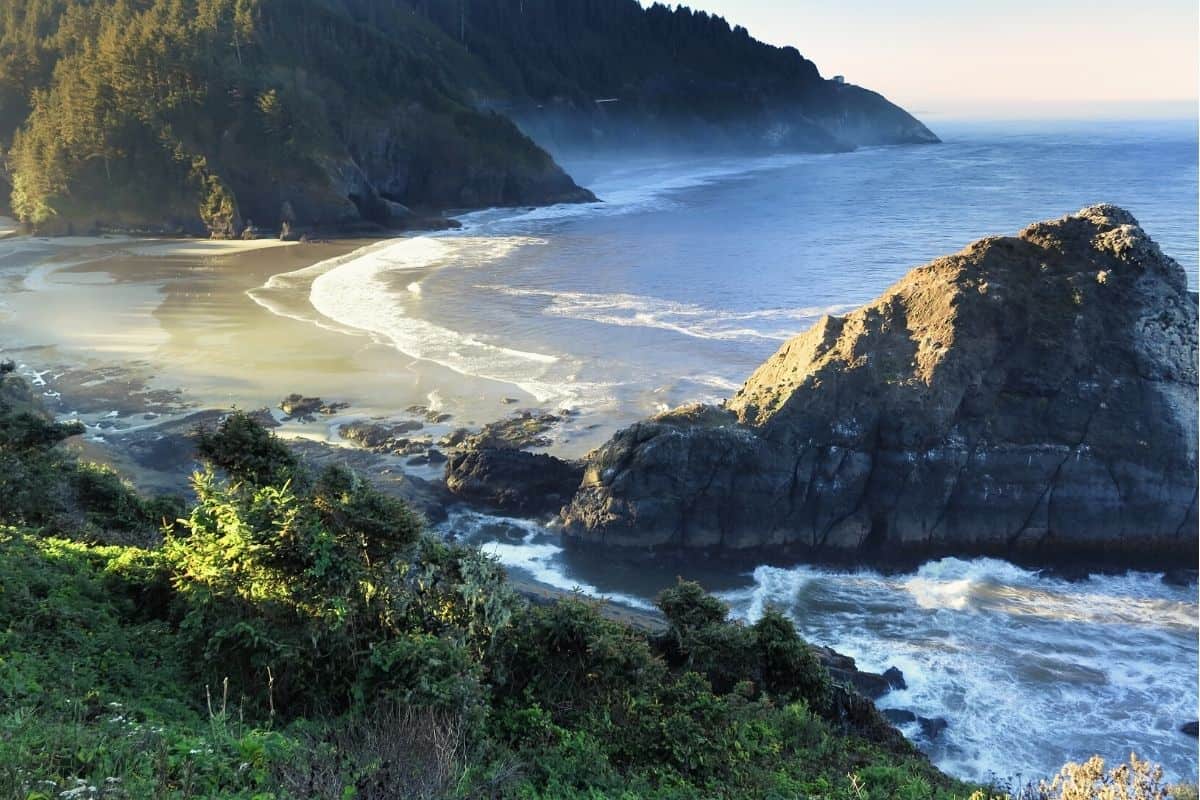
{"x": 119, "y": 401}
{"x": 140, "y": 385}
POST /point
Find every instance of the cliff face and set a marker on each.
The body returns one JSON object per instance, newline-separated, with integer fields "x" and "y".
{"x": 1032, "y": 394}
{"x": 390, "y": 170}
{"x": 835, "y": 118}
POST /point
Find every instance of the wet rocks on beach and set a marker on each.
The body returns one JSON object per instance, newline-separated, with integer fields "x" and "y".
{"x": 297, "y": 406}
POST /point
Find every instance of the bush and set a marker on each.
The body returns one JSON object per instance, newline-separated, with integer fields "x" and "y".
{"x": 789, "y": 668}
{"x": 245, "y": 450}
{"x": 42, "y": 485}
{"x": 769, "y": 653}
{"x": 570, "y": 660}
{"x": 1136, "y": 780}
{"x": 420, "y": 671}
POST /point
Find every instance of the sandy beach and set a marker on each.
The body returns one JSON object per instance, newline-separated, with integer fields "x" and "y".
{"x": 142, "y": 339}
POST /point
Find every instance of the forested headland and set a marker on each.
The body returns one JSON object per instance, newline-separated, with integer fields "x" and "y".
{"x": 204, "y": 116}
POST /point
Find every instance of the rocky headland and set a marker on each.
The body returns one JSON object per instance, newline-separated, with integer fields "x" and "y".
{"x": 1032, "y": 396}
{"x": 392, "y": 115}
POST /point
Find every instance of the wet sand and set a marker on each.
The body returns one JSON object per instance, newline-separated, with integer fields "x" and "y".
{"x": 113, "y": 329}
{"x": 143, "y": 339}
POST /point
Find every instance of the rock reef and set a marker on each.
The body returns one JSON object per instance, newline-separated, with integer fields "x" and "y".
{"x": 1031, "y": 395}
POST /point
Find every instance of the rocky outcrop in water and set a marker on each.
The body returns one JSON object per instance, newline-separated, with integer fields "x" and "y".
{"x": 1034, "y": 395}
{"x": 512, "y": 480}
{"x": 492, "y": 468}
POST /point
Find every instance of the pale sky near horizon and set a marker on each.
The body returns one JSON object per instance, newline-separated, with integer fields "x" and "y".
{"x": 1016, "y": 58}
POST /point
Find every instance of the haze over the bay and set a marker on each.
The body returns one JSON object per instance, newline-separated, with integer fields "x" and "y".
{"x": 1010, "y": 59}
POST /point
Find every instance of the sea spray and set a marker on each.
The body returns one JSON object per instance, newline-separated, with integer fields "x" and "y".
{"x": 1030, "y": 671}
{"x": 529, "y": 548}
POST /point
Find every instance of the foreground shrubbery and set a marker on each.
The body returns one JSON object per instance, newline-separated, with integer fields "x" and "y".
{"x": 298, "y": 636}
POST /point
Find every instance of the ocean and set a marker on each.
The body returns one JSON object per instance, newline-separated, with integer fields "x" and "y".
{"x": 687, "y": 275}
{"x": 690, "y": 273}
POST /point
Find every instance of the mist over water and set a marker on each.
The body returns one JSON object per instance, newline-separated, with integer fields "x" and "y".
{"x": 686, "y": 277}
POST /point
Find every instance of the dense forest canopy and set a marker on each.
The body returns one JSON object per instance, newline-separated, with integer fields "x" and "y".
{"x": 580, "y": 51}
{"x": 202, "y": 114}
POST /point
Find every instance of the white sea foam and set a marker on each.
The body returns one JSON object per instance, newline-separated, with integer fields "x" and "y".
{"x": 1030, "y": 671}
{"x": 536, "y": 554}
{"x": 287, "y": 293}
{"x": 688, "y": 319}
{"x": 355, "y": 293}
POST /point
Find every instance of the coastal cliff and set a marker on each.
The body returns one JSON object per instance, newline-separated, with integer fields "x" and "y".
{"x": 1031, "y": 395}
{"x": 218, "y": 116}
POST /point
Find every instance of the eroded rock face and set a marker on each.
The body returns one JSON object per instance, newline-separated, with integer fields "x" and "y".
{"x": 1035, "y": 393}
{"x": 512, "y": 480}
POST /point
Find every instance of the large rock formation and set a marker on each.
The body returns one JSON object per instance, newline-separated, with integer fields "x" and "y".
{"x": 512, "y": 480}
{"x": 1032, "y": 394}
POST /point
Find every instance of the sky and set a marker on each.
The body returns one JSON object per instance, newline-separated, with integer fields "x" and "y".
{"x": 1001, "y": 59}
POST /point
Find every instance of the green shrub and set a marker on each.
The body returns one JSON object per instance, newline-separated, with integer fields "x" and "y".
{"x": 45, "y": 486}
{"x": 420, "y": 671}
{"x": 245, "y": 450}
{"x": 788, "y": 667}
{"x": 567, "y": 658}
{"x": 769, "y": 653}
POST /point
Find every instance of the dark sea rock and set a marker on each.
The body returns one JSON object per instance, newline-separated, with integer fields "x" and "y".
{"x": 932, "y": 728}
{"x": 843, "y": 669}
{"x": 523, "y": 430}
{"x": 1190, "y": 728}
{"x": 1181, "y": 576}
{"x": 454, "y": 438}
{"x": 898, "y": 716}
{"x": 895, "y": 678}
{"x": 377, "y": 436}
{"x": 1029, "y": 396}
{"x": 298, "y": 406}
{"x": 512, "y": 480}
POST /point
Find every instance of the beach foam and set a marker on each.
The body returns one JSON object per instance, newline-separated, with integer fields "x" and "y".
{"x": 687, "y": 319}
{"x": 358, "y": 294}
{"x": 536, "y": 554}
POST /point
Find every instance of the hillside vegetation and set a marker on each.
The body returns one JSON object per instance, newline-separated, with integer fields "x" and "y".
{"x": 206, "y": 115}
{"x": 201, "y": 115}
{"x": 296, "y": 634}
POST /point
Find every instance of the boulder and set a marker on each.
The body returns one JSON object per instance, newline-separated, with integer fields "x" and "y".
{"x": 377, "y": 436}
{"x": 898, "y": 716}
{"x": 1032, "y": 395}
{"x": 521, "y": 431}
{"x": 844, "y": 670}
{"x": 512, "y": 480}
{"x": 931, "y": 729}
{"x": 297, "y": 406}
